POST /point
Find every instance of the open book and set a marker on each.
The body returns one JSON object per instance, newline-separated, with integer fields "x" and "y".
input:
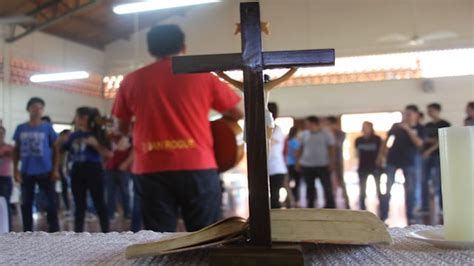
{"x": 324, "y": 226}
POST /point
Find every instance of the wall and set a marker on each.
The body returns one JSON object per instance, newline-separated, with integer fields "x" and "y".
{"x": 60, "y": 106}
{"x": 48, "y": 50}
{"x": 452, "y": 92}
{"x": 351, "y": 27}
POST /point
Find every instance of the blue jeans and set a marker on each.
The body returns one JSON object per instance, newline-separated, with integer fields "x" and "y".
{"x": 197, "y": 193}
{"x": 410, "y": 189}
{"x": 419, "y": 173}
{"x": 432, "y": 171}
{"x": 6, "y": 187}
{"x": 27, "y": 193}
{"x": 136, "y": 224}
{"x": 117, "y": 180}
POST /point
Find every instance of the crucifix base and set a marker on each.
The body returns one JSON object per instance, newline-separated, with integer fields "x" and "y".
{"x": 278, "y": 254}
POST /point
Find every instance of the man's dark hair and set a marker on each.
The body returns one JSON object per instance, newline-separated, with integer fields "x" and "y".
{"x": 165, "y": 40}
{"x": 470, "y": 105}
{"x": 370, "y": 124}
{"x": 3, "y": 129}
{"x": 95, "y": 123}
{"x": 421, "y": 115}
{"x": 46, "y": 119}
{"x": 412, "y": 107}
{"x": 33, "y": 101}
{"x": 435, "y": 106}
{"x": 64, "y": 132}
{"x": 313, "y": 119}
{"x": 273, "y": 108}
{"x": 332, "y": 119}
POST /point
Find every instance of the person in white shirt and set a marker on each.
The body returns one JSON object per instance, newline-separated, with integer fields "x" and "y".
{"x": 276, "y": 161}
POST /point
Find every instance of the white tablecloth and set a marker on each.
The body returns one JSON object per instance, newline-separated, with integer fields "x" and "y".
{"x": 66, "y": 248}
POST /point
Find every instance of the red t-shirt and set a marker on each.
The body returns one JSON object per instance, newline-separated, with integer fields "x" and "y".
{"x": 119, "y": 156}
{"x": 172, "y": 129}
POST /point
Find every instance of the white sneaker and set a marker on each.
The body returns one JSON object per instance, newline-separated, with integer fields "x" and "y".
{"x": 90, "y": 217}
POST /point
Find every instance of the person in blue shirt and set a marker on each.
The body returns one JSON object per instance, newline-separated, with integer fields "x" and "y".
{"x": 293, "y": 146}
{"x": 87, "y": 147}
{"x": 34, "y": 148}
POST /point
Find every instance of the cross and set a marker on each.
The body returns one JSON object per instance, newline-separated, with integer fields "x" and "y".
{"x": 252, "y": 61}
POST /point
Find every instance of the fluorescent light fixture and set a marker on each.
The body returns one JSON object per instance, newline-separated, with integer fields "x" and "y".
{"x": 59, "y": 76}
{"x": 156, "y": 5}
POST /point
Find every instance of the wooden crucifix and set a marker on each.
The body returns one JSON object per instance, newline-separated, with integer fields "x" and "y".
{"x": 252, "y": 61}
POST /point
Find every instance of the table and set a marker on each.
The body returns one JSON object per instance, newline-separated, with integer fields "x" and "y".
{"x": 39, "y": 248}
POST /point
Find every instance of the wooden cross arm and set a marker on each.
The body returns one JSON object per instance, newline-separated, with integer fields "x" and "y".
{"x": 206, "y": 63}
{"x": 302, "y": 58}
{"x": 224, "y": 62}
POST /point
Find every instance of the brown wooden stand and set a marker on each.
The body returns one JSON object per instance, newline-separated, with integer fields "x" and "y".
{"x": 247, "y": 255}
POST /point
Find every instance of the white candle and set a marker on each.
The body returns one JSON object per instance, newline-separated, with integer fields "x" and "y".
{"x": 456, "y": 146}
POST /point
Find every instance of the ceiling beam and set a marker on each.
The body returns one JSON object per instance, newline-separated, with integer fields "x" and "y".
{"x": 48, "y": 13}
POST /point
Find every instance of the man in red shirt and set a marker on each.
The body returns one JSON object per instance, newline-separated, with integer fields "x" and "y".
{"x": 173, "y": 145}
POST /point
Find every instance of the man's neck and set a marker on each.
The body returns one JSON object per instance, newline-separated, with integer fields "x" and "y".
{"x": 158, "y": 59}
{"x": 411, "y": 123}
{"x": 436, "y": 120}
{"x": 35, "y": 121}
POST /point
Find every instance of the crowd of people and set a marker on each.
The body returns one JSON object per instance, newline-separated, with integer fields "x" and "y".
{"x": 91, "y": 160}
{"x": 315, "y": 151}
{"x": 170, "y": 158}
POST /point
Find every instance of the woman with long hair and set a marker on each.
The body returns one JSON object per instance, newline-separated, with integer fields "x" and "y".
{"x": 88, "y": 147}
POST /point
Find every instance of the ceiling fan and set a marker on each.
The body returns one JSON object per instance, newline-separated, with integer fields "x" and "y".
{"x": 416, "y": 40}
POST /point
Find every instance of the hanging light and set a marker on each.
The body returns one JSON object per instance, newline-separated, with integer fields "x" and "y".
{"x": 156, "y": 5}
{"x": 59, "y": 76}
